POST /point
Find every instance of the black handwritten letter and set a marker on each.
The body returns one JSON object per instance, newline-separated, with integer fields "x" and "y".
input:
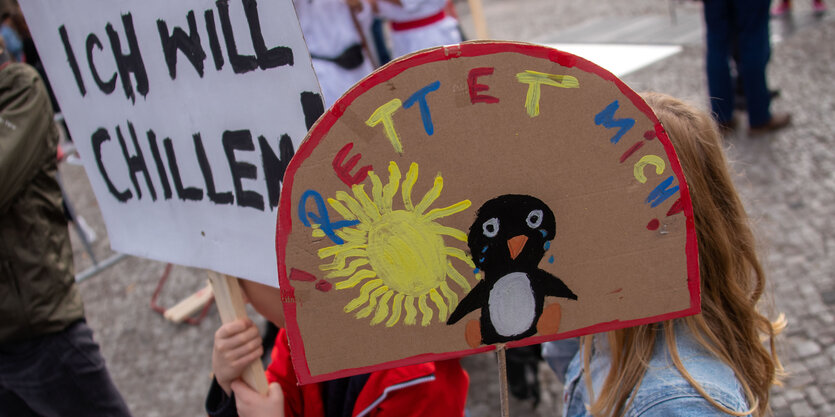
{"x": 312, "y": 107}
{"x": 267, "y": 58}
{"x": 190, "y": 193}
{"x": 274, "y": 166}
{"x": 99, "y": 137}
{"x": 242, "y": 140}
{"x": 163, "y": 177}
{"x": 108, "y": 86}
{"x": 240, "y": 63}
{"x": 65, "y": 39}
{"x": 136, "y": 163}
{"x": 130, "y": 63}
{"x": 188, "y": 44}
{"x": 203, "y": 160}
{"x": 214, "y": 42}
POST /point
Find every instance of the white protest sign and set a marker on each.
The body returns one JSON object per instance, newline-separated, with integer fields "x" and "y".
{"x": 185, "y": 114}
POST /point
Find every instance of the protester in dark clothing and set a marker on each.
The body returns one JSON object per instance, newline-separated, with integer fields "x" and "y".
{"x": 744, "y": 23}
{"x": 437, "y": 389}
{"x": 49, "y": 363}
{"x": 429, "y": 389}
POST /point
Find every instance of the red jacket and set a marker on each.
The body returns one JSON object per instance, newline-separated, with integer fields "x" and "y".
{"x": 437, "y": 389}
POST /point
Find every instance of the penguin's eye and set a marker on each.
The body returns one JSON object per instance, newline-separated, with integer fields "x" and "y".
{"x": 534, "y": 219}
{"x": 491, "y": 227}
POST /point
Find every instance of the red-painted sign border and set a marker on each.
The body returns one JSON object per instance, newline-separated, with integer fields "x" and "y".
{"x": 467, "y": 49}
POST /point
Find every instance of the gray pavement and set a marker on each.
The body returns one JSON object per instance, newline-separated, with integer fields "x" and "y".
{"x": 787, "y": 180}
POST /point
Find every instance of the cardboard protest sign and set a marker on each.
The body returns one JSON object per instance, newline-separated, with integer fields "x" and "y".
{"x": 474, "y": 195}
{"x": 185, "y": 114}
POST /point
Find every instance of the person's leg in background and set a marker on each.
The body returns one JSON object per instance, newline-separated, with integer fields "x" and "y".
{"x": 60, "y": 374}
{"x": 751, "y": 20}
{"x": 751, "y": 23}
{"x": 719, "y": 80}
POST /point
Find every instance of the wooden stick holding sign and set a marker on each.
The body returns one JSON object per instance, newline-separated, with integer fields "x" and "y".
{"x": 231, "y": 306}
{"x": 477, "y": 11}
{"x": 501, "y": 357}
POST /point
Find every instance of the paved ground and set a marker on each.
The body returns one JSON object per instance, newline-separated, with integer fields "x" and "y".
{"x": 787, "y": 180}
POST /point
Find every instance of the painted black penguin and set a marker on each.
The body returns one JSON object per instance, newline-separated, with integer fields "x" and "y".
{"x": 507, "y": 241}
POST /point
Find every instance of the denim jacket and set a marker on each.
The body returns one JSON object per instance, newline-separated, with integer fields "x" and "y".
{"x": 663, "y": 392}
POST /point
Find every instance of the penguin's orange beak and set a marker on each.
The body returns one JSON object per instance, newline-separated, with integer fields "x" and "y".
{"x": 516, "y": 244}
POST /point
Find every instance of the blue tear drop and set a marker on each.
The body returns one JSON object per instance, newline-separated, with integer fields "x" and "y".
{"x": 548, "y": 245}
{"x": 544, "y": 232}
{"x": 475, "y": 271}
{"x": 484, "y": 250}
{"x": 481, "y": 260}
{"x": 551, "y": 259}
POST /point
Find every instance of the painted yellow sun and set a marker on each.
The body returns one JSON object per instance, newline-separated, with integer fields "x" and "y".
{"x": 398, "y": 258}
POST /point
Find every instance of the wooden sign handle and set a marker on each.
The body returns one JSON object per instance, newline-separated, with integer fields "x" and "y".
{"x": 231, "y": 306}
{"x": 504, "y": 398}
{"x": 479, "y": 22}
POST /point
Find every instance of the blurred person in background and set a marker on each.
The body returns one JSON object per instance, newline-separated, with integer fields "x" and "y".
{"x": 14, "y": 45}
{"x": 418, "y": 24}
{"x": 710, "y": 364}
{"x": 741, "y": 24}
{"x": 49, "y": 363}
{"x": 334, "y": 33}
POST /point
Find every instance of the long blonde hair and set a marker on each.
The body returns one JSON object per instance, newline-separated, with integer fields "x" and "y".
{"x": 732, "y": 280}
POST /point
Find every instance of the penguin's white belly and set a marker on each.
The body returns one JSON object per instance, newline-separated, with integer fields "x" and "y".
{"x": 512, "y": 304}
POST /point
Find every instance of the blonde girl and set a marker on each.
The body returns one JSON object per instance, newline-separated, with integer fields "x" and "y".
{"x": 713, "y": 363}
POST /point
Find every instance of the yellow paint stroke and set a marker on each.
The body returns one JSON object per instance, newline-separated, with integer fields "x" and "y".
{"x": 535, "y": 79}
{"x": 430, "y": 195}
{"x": 341, "y": 209}
{"x": 450, "y": 295}
{"x": 408, "y": 184}
{"x": 372, "y": 302}
{"x": 376, "y": 190}
{"x": 648, "y": 160}
{"x": 449, "y": 231}
{"x": 339, "y": 260}
{"x": 438, "y": 213}
{"x": 458, "y": 278}
{"x": 354, "y": 206}
{"x": 397, "y": 255}
{"x": 338, "y": 249}
{"x": 364, "y": 293}
{"x": 356, "y": 279}
{"x": 458, "y": 253}
{"x": 440, "y": 303}
{"x": 350, "y": 270}
{"x": 406, "y": 253}
{"x": 427, "y": 312}
{"x": 356, "y": 236}
{"x": 396, "y": 310}
{"x": 391, "y": 188}
{"x": 383, "y": 114}
{"x": 367, "y": 205}
{"x": 411, "y": 312}
{"x": 382, "y": 309}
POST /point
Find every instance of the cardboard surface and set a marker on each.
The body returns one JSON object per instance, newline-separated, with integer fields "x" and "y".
{"x": 185, "y": 115}
{"x": 477, "y": 194}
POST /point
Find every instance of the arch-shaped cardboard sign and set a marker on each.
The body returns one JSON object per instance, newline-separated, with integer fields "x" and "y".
{"x": 478, "y": 194}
